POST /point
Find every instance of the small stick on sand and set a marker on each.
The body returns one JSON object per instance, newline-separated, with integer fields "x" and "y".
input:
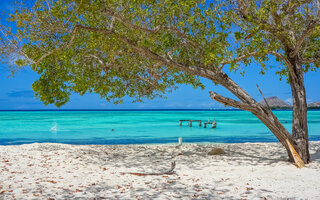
{"x": 169, "y": 172}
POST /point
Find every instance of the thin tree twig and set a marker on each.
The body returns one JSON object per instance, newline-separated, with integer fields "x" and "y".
{"x": 263, "y": 97}
{"x": 74, "y": 11}
{"x": 16, "y": 48}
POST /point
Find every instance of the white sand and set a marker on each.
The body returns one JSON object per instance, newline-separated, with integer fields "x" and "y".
{"x": 246, "y": 171}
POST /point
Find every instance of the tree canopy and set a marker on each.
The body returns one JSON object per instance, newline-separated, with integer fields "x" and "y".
{"x": 145, "y": 48}
{"x": 115, "y": 48}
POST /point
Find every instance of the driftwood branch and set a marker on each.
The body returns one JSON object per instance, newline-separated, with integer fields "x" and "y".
{"x": 169, "y": 172}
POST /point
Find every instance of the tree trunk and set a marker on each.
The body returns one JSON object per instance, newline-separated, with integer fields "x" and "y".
{"x": 271, "y": 121}
{"x": 299, "y": 113}
{"x": 265, "y": 115}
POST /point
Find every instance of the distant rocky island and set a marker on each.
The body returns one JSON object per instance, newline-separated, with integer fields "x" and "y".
{"x": 314, "y": 105}
{"x": 276, "y": 103}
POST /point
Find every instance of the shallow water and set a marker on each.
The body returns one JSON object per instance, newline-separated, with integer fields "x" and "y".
{"x": 139, "y": 127}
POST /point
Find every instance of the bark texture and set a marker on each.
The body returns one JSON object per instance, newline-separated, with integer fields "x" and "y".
{"x": 265, "y": 115}
{"x": 299, "y": 114}
{"x": 296, "y": 49}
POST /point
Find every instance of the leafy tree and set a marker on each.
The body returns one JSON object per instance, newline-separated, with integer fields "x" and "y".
{"x": 145, "y": 48}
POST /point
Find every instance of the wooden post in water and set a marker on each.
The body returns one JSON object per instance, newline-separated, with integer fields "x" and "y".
{"x": 213, "y": 124}
{"x": 190, "y": 122}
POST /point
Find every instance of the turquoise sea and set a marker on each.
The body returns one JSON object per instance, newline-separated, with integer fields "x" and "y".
{"x": 139, "y": 126}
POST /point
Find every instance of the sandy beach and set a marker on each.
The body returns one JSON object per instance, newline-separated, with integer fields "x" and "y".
{"x": 246, "y": 171}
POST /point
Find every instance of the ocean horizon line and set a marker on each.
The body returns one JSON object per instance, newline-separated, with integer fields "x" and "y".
{"x": 128, "y": 109}
{"x": 139, "y": 109}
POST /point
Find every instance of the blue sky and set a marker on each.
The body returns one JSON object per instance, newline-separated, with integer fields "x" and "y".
{"x": 16, "y": 93}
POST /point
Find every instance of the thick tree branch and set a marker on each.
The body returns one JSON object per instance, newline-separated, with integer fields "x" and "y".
{"x": 168, "y": 61}
{"x": 281, "y": 57}
{"x": 230, "y": 102}
{"x": 287, "y": 62}
{"x": 229, "y": 84}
